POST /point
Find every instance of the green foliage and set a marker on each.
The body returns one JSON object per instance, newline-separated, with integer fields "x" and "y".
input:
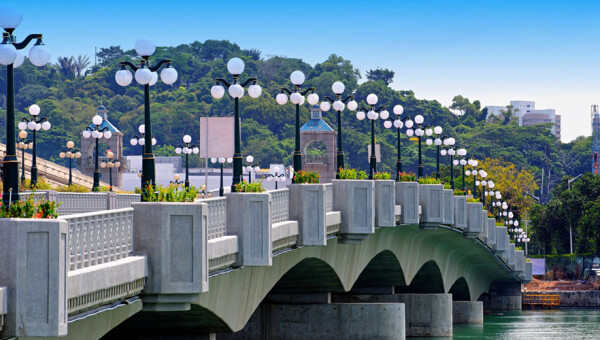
{"x": 72, "y": 188}
{"x": 473, "y": 200}
{"x": 384, "y": 75}
{"x": 256, "y": 186}
{"x": 170, "y": 193}
{"x": 447, "y": 186}
{"x": 407, "y": 177}
{"x": 303, "y": 176}
{"x": 382, "y": 175}
{"x": 429, "y": 180}
{"x": 41, "y": 185}
{"x": 28, "y": 208}
{"x": 458, "y": 192}
{"x": 350, "y": 173}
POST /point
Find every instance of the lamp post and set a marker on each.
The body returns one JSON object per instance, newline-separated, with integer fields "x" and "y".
{"x": 276, "y": 176}
{"x": 70, "y": 153}
{"x": 110, "y": 163}
{"x": 251, "y": 167}
{"x": 176, "y": 180}
{"x": 297, "y": 98}
{"x": 141, "y": 139}
{"x": 338, "y": 105}
{"x": 373, "y": 113}
{"x": 485, "y": 192}
{"x": 417, "y": 130}
{"x": 146, "y": 75}
{"x": 187, "y": 148}
{"x": 34, "y": 125}
{"x": 461, "y": 153}
{"x": 449, "y": 150}
{"x": 398, "y": 124}
{"x": 23, "y": 144}
{"x": 221, "y": 161}
{"x": 235, "y": 66}
{"x": 12, "y": 58}
{"x": 438, "y": 142}
{"x": 97, "y": 132}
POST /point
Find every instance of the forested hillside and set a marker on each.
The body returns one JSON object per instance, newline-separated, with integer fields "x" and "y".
{"x": 68, "y": 97}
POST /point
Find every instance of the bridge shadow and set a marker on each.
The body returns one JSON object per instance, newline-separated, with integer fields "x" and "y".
{"x": 383, "y": 270}
{"x": 310, "y": 275}
{"x": 428, "y": 280}
{"x": 460, "y": 290}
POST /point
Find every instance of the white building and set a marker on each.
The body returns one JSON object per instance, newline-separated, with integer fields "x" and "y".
{"x": 527, "y": 114}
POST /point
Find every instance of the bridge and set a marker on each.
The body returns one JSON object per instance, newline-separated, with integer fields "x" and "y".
{"x": 348, "y": 260}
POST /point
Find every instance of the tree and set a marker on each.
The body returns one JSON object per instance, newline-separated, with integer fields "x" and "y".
{"x": 66, "y": 66}
{"x": 109, "y": 55}
{"x": 80, "y": 64}
{"x": 467, "y": 108}
{"x": 381, "y": 74}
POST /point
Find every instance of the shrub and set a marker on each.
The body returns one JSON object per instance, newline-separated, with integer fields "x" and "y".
{"x": 458, "y": 192}
{"x": 28, "y": 208}
{"x": 352, "y": 174}
{"x": 407, "y": 177}
{"x": 256, "y": 186}
{"x": 170, "y": 193}
{"x": 72, "y": 188}
{"x": 382, "y": 176}
{"x": 41, "y": 185}
{"x": 473, "y": 200}
{"x": 306, "y": 177}
{"x": 429, "y": 180}
{"x": 447, "y": 186}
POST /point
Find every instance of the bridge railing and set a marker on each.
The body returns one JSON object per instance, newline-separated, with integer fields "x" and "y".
{"x": 328, "y": 197}
{"x": 125, "y": 200}
{"x": 84, "y": 202}
{"x": 281, "y": 201}
{"x": 217, "y": 217}
{"x": 96, "y": 238}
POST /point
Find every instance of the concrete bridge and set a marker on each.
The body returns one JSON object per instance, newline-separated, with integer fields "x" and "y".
{"x": 348, "y": 260}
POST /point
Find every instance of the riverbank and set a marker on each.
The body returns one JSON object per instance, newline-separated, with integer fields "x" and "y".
{"x": 588, "y": 298}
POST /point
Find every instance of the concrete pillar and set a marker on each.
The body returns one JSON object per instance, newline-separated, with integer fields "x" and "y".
{"x": 503, "y": 295}
{"x": 341, "y": 321}
{"x": 467, "y": 312}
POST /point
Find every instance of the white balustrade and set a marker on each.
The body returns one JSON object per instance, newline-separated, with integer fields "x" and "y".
{"x": 217, "y": 217}
{"x": 99, "y": 237}
{"x": 280, "y": 209}
{"x": 81, "y": 202}
{"x": 125, "y": 200}
{"x": 328, "y": 197}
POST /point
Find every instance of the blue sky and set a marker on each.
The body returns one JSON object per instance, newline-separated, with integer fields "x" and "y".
{"x": 494, "y": 51}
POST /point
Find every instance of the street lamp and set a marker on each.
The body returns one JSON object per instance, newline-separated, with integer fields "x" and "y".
{"x": 438, "y": 142}
{"x": 417, "y": 130}
{"x": 176, "y": 180}
{"x": 398, "y": 124}
{"x": 449, "y": 150}
{"x": 297, "y": 98}
{"x": 235, "y": 66}
{"x": 34, "y": 124}
{"x": 146, "y": 75}
{"x": 12, "y": 58}
{"x": 373, "y": 114}
{"x": 461, "y": 153}
{"x": 70, "y": 153}
{"x": 110, "y": 163}
{"x": 221, "y": 161}
{"x": 251, "y": 167}
{"x": 141, "y": 140}
{"x": 485, "y": 192}
{"x": 187, "y": 149}
{"x": 23, "y": 144}
{"x": 276, "y": 176}
{"x": 96, "y": 133}
{"x": 338, "y": 105}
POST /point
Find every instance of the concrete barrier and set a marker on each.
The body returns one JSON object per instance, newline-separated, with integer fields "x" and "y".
{"x": 432, "y": 204}
{"x": 385, "y": 203}
{"x": 354, "y": 199}
{"x": 307, "y": 206}
{"x": 491, "y": 232}
{"x": 407, "y": 196}
{"x": 448, "y": 207}
{"x": 460, "y": 212}
{"x": 474, "y": 219}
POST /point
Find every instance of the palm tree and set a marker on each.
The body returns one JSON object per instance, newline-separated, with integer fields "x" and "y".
{"x": 66, "y": 66}
{"x": 81, "y": 63}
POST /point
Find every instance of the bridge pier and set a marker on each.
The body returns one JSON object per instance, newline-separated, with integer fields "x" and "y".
{"x": 503, "y": 295}
{"x": 467, "y": 312}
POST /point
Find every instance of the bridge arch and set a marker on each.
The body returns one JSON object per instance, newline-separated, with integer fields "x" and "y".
{"x": 460, "y": 290}
{"x": 384, "y": 270}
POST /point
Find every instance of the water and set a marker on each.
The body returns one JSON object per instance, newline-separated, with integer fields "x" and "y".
{"x": 563, "y": 324}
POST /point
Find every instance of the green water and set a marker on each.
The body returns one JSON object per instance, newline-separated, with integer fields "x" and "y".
{"x": 564, "y": 324}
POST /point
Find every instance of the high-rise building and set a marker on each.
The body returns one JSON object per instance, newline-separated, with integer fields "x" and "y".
{"x": 527, "y": 114}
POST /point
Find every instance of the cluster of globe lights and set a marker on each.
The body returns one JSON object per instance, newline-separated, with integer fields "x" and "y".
{"x": 34, "y": 110}
{"x": 521, "y": 236}
{"x": 143, "y": 75}
{"x": 235, "y": 66}
{"x": 141, "y": 141}
{"x": 276, "y": 176}
{"x": 22, "y": 144}
{"x": 97, "y": 120}
{"x": 185, "y": 149}
{"x": 110, "y": 164}
{"x": 338, "y": 88}
{"x": 38, "y": 53}
{"x": 249, "y": 168}
{"x": 297, "y": 78}
{"x": 221, "y": 160}
{"x": 69, "y": 153}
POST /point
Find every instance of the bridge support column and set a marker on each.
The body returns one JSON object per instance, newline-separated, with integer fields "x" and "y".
{"x": 426, "y": 314}
{"x": 324, "y": 321}
{"x": 467, "y": 312}
{"x": 503, "y": 295}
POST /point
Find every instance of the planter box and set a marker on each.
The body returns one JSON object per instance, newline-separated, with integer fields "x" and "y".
{"x": 355, "y": 201}
{"x": 432, "y": 205}
{"x": 249, "y": 218}
{"x": 491, "y": 232}
{"x": 460, "y": 212}
{"x": 528, "y": 276}
{"x": 385, "y": 203}
{"x": 482, "y": 236}
{"x": 307, "y": 206}
{"x": 511, "y": 256}
{"x": 474, "y": 219}
{"x": 33, "y": 268}
{"x": 173, "y": 237}
{"x": 520, "y": 263}
{"x": 448, "y": 207}
{"x": 407, "y": 196}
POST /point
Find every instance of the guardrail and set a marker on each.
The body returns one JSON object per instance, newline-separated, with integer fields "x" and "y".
{"x": 99, "y": 237}
{"x": 328, "y": 197}
{"x": 125, "y": 200}
{"x": 217, "y": 217}
{"x": 281, "y": 203}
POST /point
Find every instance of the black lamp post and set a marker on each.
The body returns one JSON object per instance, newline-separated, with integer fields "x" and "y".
{"x": 34, "y": 124}
{"x": 110, "y": 163}
{"x": 372, "y": 114}
{"x": 276, "y": 176}
{"x": 221, "y": 162}
{"x": 176, "y": 180}
{"x": 23, "y": 143}
{"x": 141, "y": 139}
{"x": 146, "y": 75}
{"x": 96, "y": 132}
{"x": 9, "y": 56}
{"x": 338, "y": 105}
{"x": 235, "y": 66}
{"x": 398, "y": 124}
{"x": 438, "y": 142}
{"x": 297, "y": 98}
{"x": 70, "y": 153}
{"x": 416, "y": 128}
{"x": 187, "y": 149}
{"x": 251, "y": 167}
